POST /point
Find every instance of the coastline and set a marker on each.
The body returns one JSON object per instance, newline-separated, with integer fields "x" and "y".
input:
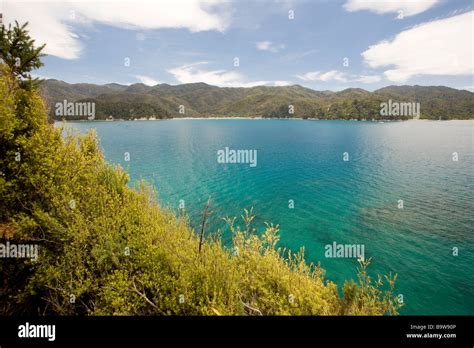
{"x": 266, "y": 118}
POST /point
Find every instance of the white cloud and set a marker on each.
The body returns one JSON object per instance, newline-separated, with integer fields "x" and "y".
{"x": 45, "y": 26}
{"x": 296, "y": 56}
{"x": 441, "y": 47}
{"x": 368, "y": 78}
{"x": 339, "y": 76}
{"x": 311, "y": 76}
{"x": 52, "y": 21}
{"x": 408, "y": 7}
{"x": 269, "y": 46}
{"x": 281, "y": 83}
{"x": 41, "y": 77}
{"x": 192, "y": 73}
{"x": 149, "y": 81}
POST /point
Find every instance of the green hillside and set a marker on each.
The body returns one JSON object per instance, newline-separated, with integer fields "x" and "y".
{"x": 202, "y": 100}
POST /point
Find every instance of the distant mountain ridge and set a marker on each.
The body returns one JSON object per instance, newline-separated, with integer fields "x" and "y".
{"x": 203, "y": 100}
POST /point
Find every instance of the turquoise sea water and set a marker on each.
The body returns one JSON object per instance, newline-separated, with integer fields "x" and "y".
{"x": 347, "y": 202}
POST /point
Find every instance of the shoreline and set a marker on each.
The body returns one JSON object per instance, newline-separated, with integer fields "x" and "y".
{"x": 264, "y": 118}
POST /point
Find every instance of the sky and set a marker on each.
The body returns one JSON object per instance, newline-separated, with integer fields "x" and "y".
{"x": 320, "y": 44}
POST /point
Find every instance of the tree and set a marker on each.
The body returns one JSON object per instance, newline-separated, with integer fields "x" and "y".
{"x": 18, "y": 51}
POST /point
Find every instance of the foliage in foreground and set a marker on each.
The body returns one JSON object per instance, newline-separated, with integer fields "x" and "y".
{"x": 113, "y": 251}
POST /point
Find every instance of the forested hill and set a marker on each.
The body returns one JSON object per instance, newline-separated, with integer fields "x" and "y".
{"x": 203, "y": 100}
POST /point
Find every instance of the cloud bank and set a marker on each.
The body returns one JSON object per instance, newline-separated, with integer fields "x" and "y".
{"x": 269, "y": 46}
{"x": 193, "y": 73}
{"x": 338, "y": 76}
{"x": 146, "y": 80}
{"x": 440, "y": 47}
{"x": 408, "y": 7}
{"x": 54, "y": 22}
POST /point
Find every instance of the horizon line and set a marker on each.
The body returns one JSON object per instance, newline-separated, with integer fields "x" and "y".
{"x": 238, "y": 87}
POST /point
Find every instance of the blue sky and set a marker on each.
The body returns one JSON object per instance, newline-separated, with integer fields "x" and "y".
{"x": 327, "y": 45}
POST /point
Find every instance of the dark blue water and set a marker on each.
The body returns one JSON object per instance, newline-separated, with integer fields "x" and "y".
{"x": 348, "y": 202}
